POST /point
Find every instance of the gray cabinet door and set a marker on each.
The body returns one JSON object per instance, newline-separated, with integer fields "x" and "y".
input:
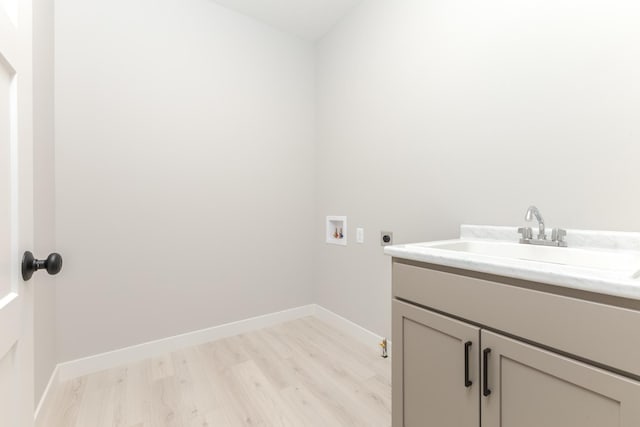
{"x": 531, "y": 387}
{"x": 429, "y": 384}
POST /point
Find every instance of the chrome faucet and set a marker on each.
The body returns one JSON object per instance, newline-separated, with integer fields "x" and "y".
{"x": 557, "y": 235}
{"x": 531, "y": 212}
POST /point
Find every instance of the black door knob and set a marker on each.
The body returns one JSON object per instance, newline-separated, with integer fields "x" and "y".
{"x": 53, "y": 264}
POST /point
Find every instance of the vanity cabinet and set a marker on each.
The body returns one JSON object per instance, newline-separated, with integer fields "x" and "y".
{"x": 453, "y": 366}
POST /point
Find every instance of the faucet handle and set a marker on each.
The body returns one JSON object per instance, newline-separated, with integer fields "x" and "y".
{"x": 557, "y": 234}
{"x": 527, "y": 232}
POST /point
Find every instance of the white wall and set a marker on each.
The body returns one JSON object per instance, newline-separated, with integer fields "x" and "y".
{"x": 184, "y": 170}
{"x": 45, "y": 357}
{"x": 441, "y": 112}
{"x": 185, "y": 150}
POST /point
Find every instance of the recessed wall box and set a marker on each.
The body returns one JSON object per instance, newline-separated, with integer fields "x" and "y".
{"x": 336, "y": 231}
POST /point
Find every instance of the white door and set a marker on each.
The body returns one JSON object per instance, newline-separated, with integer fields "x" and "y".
{"x": 16, "y": 214}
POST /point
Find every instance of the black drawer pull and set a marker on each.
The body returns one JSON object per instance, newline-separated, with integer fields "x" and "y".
{"x": 485, "y": 374}
{"x": 467, "y": 382}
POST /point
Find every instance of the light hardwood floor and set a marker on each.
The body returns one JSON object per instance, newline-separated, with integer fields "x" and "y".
{"x": 299, "y": 373}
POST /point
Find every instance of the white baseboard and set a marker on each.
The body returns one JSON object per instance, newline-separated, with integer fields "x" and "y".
{"x": 76, "y": 368}
{"x": 47, "y": 397}
{"x": 111, "y": 359}
{"x": 361, "y": 334}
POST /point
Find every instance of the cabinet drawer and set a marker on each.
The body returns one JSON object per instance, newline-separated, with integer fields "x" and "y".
{"x": 600, "y": 333}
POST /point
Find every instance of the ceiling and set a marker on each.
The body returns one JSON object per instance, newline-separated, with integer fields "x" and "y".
{"x": 310, "y": 19}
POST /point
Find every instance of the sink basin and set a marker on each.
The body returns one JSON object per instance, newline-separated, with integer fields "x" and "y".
{"x": 599, "y": 259}
{"x": 604, "y": 262}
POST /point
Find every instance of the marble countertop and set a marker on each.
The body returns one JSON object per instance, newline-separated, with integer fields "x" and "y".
{"x": 622, "y": 283}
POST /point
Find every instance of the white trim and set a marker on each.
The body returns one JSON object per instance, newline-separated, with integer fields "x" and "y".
{"x": 99, "y": 362}
{"x": 47, "y": 397}
{"x": 79, "y": 367}
{"x": 363, "y": 335}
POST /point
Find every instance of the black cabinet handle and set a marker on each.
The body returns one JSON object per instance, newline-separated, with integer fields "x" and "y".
{"x": 467, "y": 382}
{"x": 53, "y": 264}
{"x": 485, "y": 374}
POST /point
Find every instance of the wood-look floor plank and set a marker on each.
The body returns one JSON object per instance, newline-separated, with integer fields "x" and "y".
{"x": 263, "y": 355}
{"x": 67, "y": 401}
{"x": 234, "y": 397}
{"x": 347, "y": 376}
{"x": 162, "y": 367}
{"x": 138, "y": 394}
{"x": 366, "y": 356}
{"x": 309, "y": 407}
{"x": 324, "y": 388}
{"x": 197, "y": 387}
{"x": 166, "y": 403}
{"x": 264, "y": 396}
{"x": 299, "y": 373}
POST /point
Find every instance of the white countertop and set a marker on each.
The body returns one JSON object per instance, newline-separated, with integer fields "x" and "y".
{"x": 619, "y": 283}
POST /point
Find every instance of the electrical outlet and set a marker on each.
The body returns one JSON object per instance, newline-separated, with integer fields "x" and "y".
{"x": 386, "y": 238}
